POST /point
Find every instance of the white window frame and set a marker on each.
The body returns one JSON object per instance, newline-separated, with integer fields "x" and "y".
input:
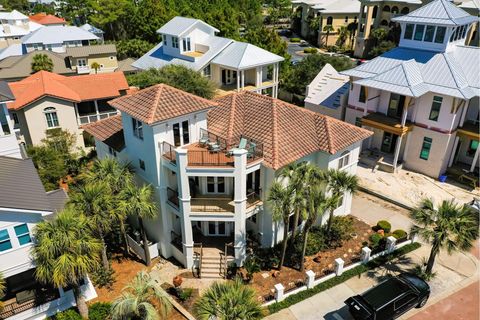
{"x": 137, "y": 128}
{"x": 186, "y": 44}
{"x": 9, "y": 239}
{"x": 51, "y": 116}
{"x": 81, "y": 62}
{"x": 165, "y": 40}
{"x": 175, "y": 42}
{"x": 215, "y": 185}
{"x": 344, "y": 160}
{"x": 112, "y": 151}
{"x": 29, "y": 233}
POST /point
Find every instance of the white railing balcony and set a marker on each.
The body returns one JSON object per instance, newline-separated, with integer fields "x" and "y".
{"x": 83, "y": 69}
{"x": 95, "y": 117}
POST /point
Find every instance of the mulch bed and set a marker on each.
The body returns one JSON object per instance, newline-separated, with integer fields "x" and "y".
{"x": 188, "y": 304}
{"x": 324, "y": 263}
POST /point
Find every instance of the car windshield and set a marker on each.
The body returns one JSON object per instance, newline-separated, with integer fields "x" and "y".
{"x": 415, "y": 281}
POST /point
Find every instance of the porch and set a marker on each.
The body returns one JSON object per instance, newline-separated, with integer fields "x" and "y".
{"x": 92, "y": 111}
{"x": 222, "y": 204}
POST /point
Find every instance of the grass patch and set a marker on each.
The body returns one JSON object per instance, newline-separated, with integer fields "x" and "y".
{"x": 293, "y": 299}
{"x": 310, "y": 50}
{"x": 295, "y": 40}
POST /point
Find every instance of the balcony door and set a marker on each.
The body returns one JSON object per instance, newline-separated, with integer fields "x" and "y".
{"x": 216, "y": 185}
{"x": 217, "y": 228}
{"x": 181, "y": 133}
{"x": 395, "y": 105}
{"x": 228, "y": 76}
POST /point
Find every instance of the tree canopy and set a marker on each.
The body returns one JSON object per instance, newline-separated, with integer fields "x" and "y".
{"x": 177, "y": 76}
{"x": 42, "y": 62}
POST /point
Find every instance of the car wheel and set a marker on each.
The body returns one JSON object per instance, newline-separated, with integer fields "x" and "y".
{"x": 423, "y": 302}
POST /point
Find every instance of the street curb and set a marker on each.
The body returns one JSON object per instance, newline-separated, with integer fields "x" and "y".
{"x": 385, "y": 198}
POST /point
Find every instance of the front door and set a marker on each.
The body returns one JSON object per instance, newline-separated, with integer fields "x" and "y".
{"x": 388, "y": 142}
{"x": 217, "y": 228}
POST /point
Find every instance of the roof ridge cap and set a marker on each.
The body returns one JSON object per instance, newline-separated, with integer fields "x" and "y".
{"x": 451, "y": 69}
{"x": 157, "y": 100}
{"x": 329, "y": 138}
{"x": 274, "y": 134}
{"x": 445, "y": 8}
{"x": 232, "y": 117}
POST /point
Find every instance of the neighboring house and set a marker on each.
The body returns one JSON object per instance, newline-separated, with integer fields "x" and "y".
{"x": 23, "y": 204}
{"x": 46, "y": 101}
{"x": 8, "y": 140}
{"x": 219, "y": 196}
{"x": 421, "y": 99}
{"x": 328, "y": 93}
{"x": 336, "y": 13}
{"x": 82, "y": 59}
{"x": 96, "y": 31}
{"x": 381, "y": 14}
{"x": 231, "y": 64}
{"x": 47, "y": 19}
{"x": 57, "y": 39}
{"x": 13, "y": 26}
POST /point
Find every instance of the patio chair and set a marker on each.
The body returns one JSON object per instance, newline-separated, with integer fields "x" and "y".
{"x": 203, "y": 140}
{"x": 241, "y": 145}
{"x": 251, "y": 150}
{"x": 213, "y": 146}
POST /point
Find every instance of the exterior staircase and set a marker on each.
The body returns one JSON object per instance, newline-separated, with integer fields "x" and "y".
{"x": 213, "y": 264}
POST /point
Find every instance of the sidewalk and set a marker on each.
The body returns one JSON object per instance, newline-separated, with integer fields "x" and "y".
{"x": 453, "y": 272}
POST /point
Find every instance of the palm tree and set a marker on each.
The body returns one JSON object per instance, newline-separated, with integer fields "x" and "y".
{"x": 95, "y": 66}
{"x": 228, "y": 301}
{"x": 328, "y": 28}
{"x": 343, "y": 34}
{"x": 117, "y": 176}
{"x": 41, "y": 62}
{"x": 139, "y": 299}
{"x": 450, "y": 226}
{"x": 339, "y": 183}
{"x": 2, "y": 290}
{"x": 95, "y": 202}
{"x": 280, "y": 199}
{"x": 352, "y": 29}
{"x": 65, "y": 252}
{"x": 139, "y": 203}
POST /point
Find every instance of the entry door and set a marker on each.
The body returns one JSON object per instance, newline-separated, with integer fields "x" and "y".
{"x": 228, "y": 76}
{"x": 388, "y": 142}
{"x": 217, "y": 228}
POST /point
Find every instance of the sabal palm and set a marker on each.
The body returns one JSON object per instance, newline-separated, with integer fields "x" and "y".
{"x": 280, "y": 200}
{"x": 450, "y": 226}
{"x": 138, "y": 201}
{"x": 228, "y": 301}
{"x": 95, "y": 202}
{"x": 328, "y": 28}
{"x": 139, "y": 300}
{"x": 117, "y": 176}
{"x": 65, "y": 252}
{"x": 339, "y": 183}
{"x": 41, "y": 62}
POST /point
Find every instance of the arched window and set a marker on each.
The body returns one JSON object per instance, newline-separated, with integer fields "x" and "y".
{"x": 384, "y": 23}
{"x": 329, "y": 21}
{"x": 394, "y": 9}
{"x": 405, "y": 10}
{"x": 386, "y": 9}
{"x": 51, "y": 117}
{"x": 344, "y": 159}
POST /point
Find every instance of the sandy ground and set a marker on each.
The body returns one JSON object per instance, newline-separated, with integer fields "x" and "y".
{"x": 409, "y": 187}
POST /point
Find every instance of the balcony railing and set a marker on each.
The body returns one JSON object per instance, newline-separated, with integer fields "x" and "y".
{"x": 95, "y": 117}
{"x": 209, "y": 158}
{"x": 253, "y": 199}
{"x": 176, "y": 240}
{"x": 168, "y": 152}
{"x": 172, "y": 196}
{"x": 41, "y": 296}
{"x": 83, "y": 69}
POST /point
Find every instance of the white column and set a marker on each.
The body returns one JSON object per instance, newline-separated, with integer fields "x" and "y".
{"x": 240, "y": 200}
{"x": 76, "y": 113}
{"x": 243, "y": 79}
{"x": 366, "y": 252}
{"x": 279, "y": 289}
{"x": 165, "y": 246}
{"x": 339, "y": 266}
{"x": 310, "y": 279}
{"x": 452, "y": 155}
{"x": 397, "y": 153}
{"x": 391, "y": 244}
{"x": 464, "y": 113}
{"x": 475, "y": 160}
{"x": 405, "y": 112}
{"x": 184, "y": 206}
{"x": 96, "y": 110}
{"x": 238, "y": 82}
{"x": 257, "y": 76}
{"x": 260, "y": 76}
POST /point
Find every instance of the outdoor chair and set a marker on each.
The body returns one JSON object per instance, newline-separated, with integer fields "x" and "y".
{"x": 203, "y": 141}
{"x": 251, "y": 150}
{"x": 213, "y": 146}
{"x": 241, "y": 145}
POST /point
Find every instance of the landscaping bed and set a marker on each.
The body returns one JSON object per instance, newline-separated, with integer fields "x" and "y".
{"x": 189, "y": 299}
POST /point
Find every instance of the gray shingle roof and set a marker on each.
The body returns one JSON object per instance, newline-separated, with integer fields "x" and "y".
{"x": 5, "y": 92}
{"x": 20, "y": 186}
{"x": 85, "y": 51}
{"x": 57, "y": 198}
{"x": 439, "y": 12}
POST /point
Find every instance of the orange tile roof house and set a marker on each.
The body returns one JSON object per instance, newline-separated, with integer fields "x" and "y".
{"x": 47, "y": 19}
{"x": 46, "y": 100}
{"x": 220, "y": 158}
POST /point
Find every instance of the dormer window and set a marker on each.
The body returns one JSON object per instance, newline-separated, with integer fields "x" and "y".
{"x": 175, "y": 42}
{"x": 440, "y": 34}
{"x": 165, "y": 42}
{"x": 429, "y": 34}
{"x": 419, "y": 29}
{"x": 409, "y": 31}
{"x": 186, "y": 45}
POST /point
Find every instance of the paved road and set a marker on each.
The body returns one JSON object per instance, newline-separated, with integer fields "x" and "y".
{"x": 453, "y": 272}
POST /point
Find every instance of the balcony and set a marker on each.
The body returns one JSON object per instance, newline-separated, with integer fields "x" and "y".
{"x": 386, "y": 123}
{"x": 224, "y": 205}
{"x": 470, "y": 130}
{"x": 89, "y": 118}
{"x": 172, "y": 197}
{"x": 83, "y": 69}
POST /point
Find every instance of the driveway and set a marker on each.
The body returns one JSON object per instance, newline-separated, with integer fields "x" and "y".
{"x": 453, "y": 272}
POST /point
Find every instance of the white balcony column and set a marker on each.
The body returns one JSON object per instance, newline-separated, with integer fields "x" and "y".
{"x": 165, "y": 240}
{"x": 452, "y": 154}
{"x": 405, "y": 110}
{"x": 184, "y": 206}
{"x": 257, "y": 76}
{"x": 240, "y": 200}
{"x": 475, "y": 160}
{"x": 238, "y": 82}
{"x": 398, "y": 146}
{"x": 243, "y": 78}
{"x": 464, "y": 113}
{"x": 96, "y": 109}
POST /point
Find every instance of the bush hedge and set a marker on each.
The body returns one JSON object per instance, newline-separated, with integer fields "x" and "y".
{"x": 375, "y": 239}
{"x": 70, "y": 314}
{"x": 399, "y": 234}
{"x": 295, "y": 298}
{"x": 310, "y": 50}
{"x": 295, "y": 39}
{"x": 384, "y": 225}
{"x": 99, "y": 311}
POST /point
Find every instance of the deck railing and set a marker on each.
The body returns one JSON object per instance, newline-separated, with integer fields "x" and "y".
{"x": 172, "y": 197}
{"x": 198, "y": 250}
{"x": 12, "y": 308}
{"x": 168, "y": 152}
{"x": 209, "y": 158}
{"x": 89, "y": 118}
{"x": 176, "y": 240}
{"x": 253, "y": 198}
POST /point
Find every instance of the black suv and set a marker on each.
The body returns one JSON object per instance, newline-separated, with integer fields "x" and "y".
{"x": 390, "y": 299}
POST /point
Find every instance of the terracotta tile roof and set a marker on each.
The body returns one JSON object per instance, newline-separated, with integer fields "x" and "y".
{"x": 76, "y": 88}
{"x": 109, "y": 131}
{"x": 46, "y": 19}
{"x": 160, "y": 102}
{"x": 287, "y": 132}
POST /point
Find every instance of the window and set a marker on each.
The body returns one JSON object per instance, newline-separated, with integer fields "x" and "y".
{"x": 186, "y": 44}
{"x": 452, "y": 36}
{"x": 15, "y": 118}
{"x": 141, "y": 164}
{"x": 137, "y": 128}
{"x": 23, "y": 234}
{"x": 165, "y": 42}
{"x": 181, "y": 134}
{"x": 220, "y": 184}
{"x": 207, "y": 71}
{"x": 362, "y": 96}
{"x": 51, "y": 117}
{"x": 329, "y": 21}
{"x": 210, "y": 184}
{"x": 426, "y": 146}
{"x": 394, "y": 9}
{"x": 405, "y": 10}
{"x": 358, "y": 122}
{"x": 340, "y": 201}
{"x": 49, "y": 47}
{"x": 386, "y": 9}
{"x": 81, "y": 62}
{"x": 346, "y": 19}
{"x": 112, "y": 151}
{"x": 175, "y": 42}
{"x": 404, "y": 301}
{"x": 435, "y": 111}
{"x": 216, "y": 185}
{"x": 419, "y": 29}
{"x": 464, "y": 31}
{"x": 429, "y": 34}
{"x": 440, "y": 35}
{"x": 344, "y": 159}
{"x": 472, "y": 148}
{"x": 5, "y": 242}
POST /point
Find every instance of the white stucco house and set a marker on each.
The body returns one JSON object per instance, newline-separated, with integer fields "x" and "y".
{"x": 8, "y": 139}
{"x": 233, "y": 65}
{"x": 13, "y": 26}
{"x": 212, "y": 162}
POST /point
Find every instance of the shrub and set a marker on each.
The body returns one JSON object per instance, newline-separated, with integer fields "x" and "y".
{"x": 384, "y": 225}
{"x": 316, "y": 241}
{"x": 310, "y": 50}
{"x": 185, "y": 294}
{"x": 103, "y": 278}
{"x": 99, "y": 311}
{"x": 251, "y": 266}
{"x": 70, "y": 314}
{"x": 375, "y": 240}
{"x": 341, "y": 229}
{"x": 295, "y": 39}
{"x": 399, "y": 234}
